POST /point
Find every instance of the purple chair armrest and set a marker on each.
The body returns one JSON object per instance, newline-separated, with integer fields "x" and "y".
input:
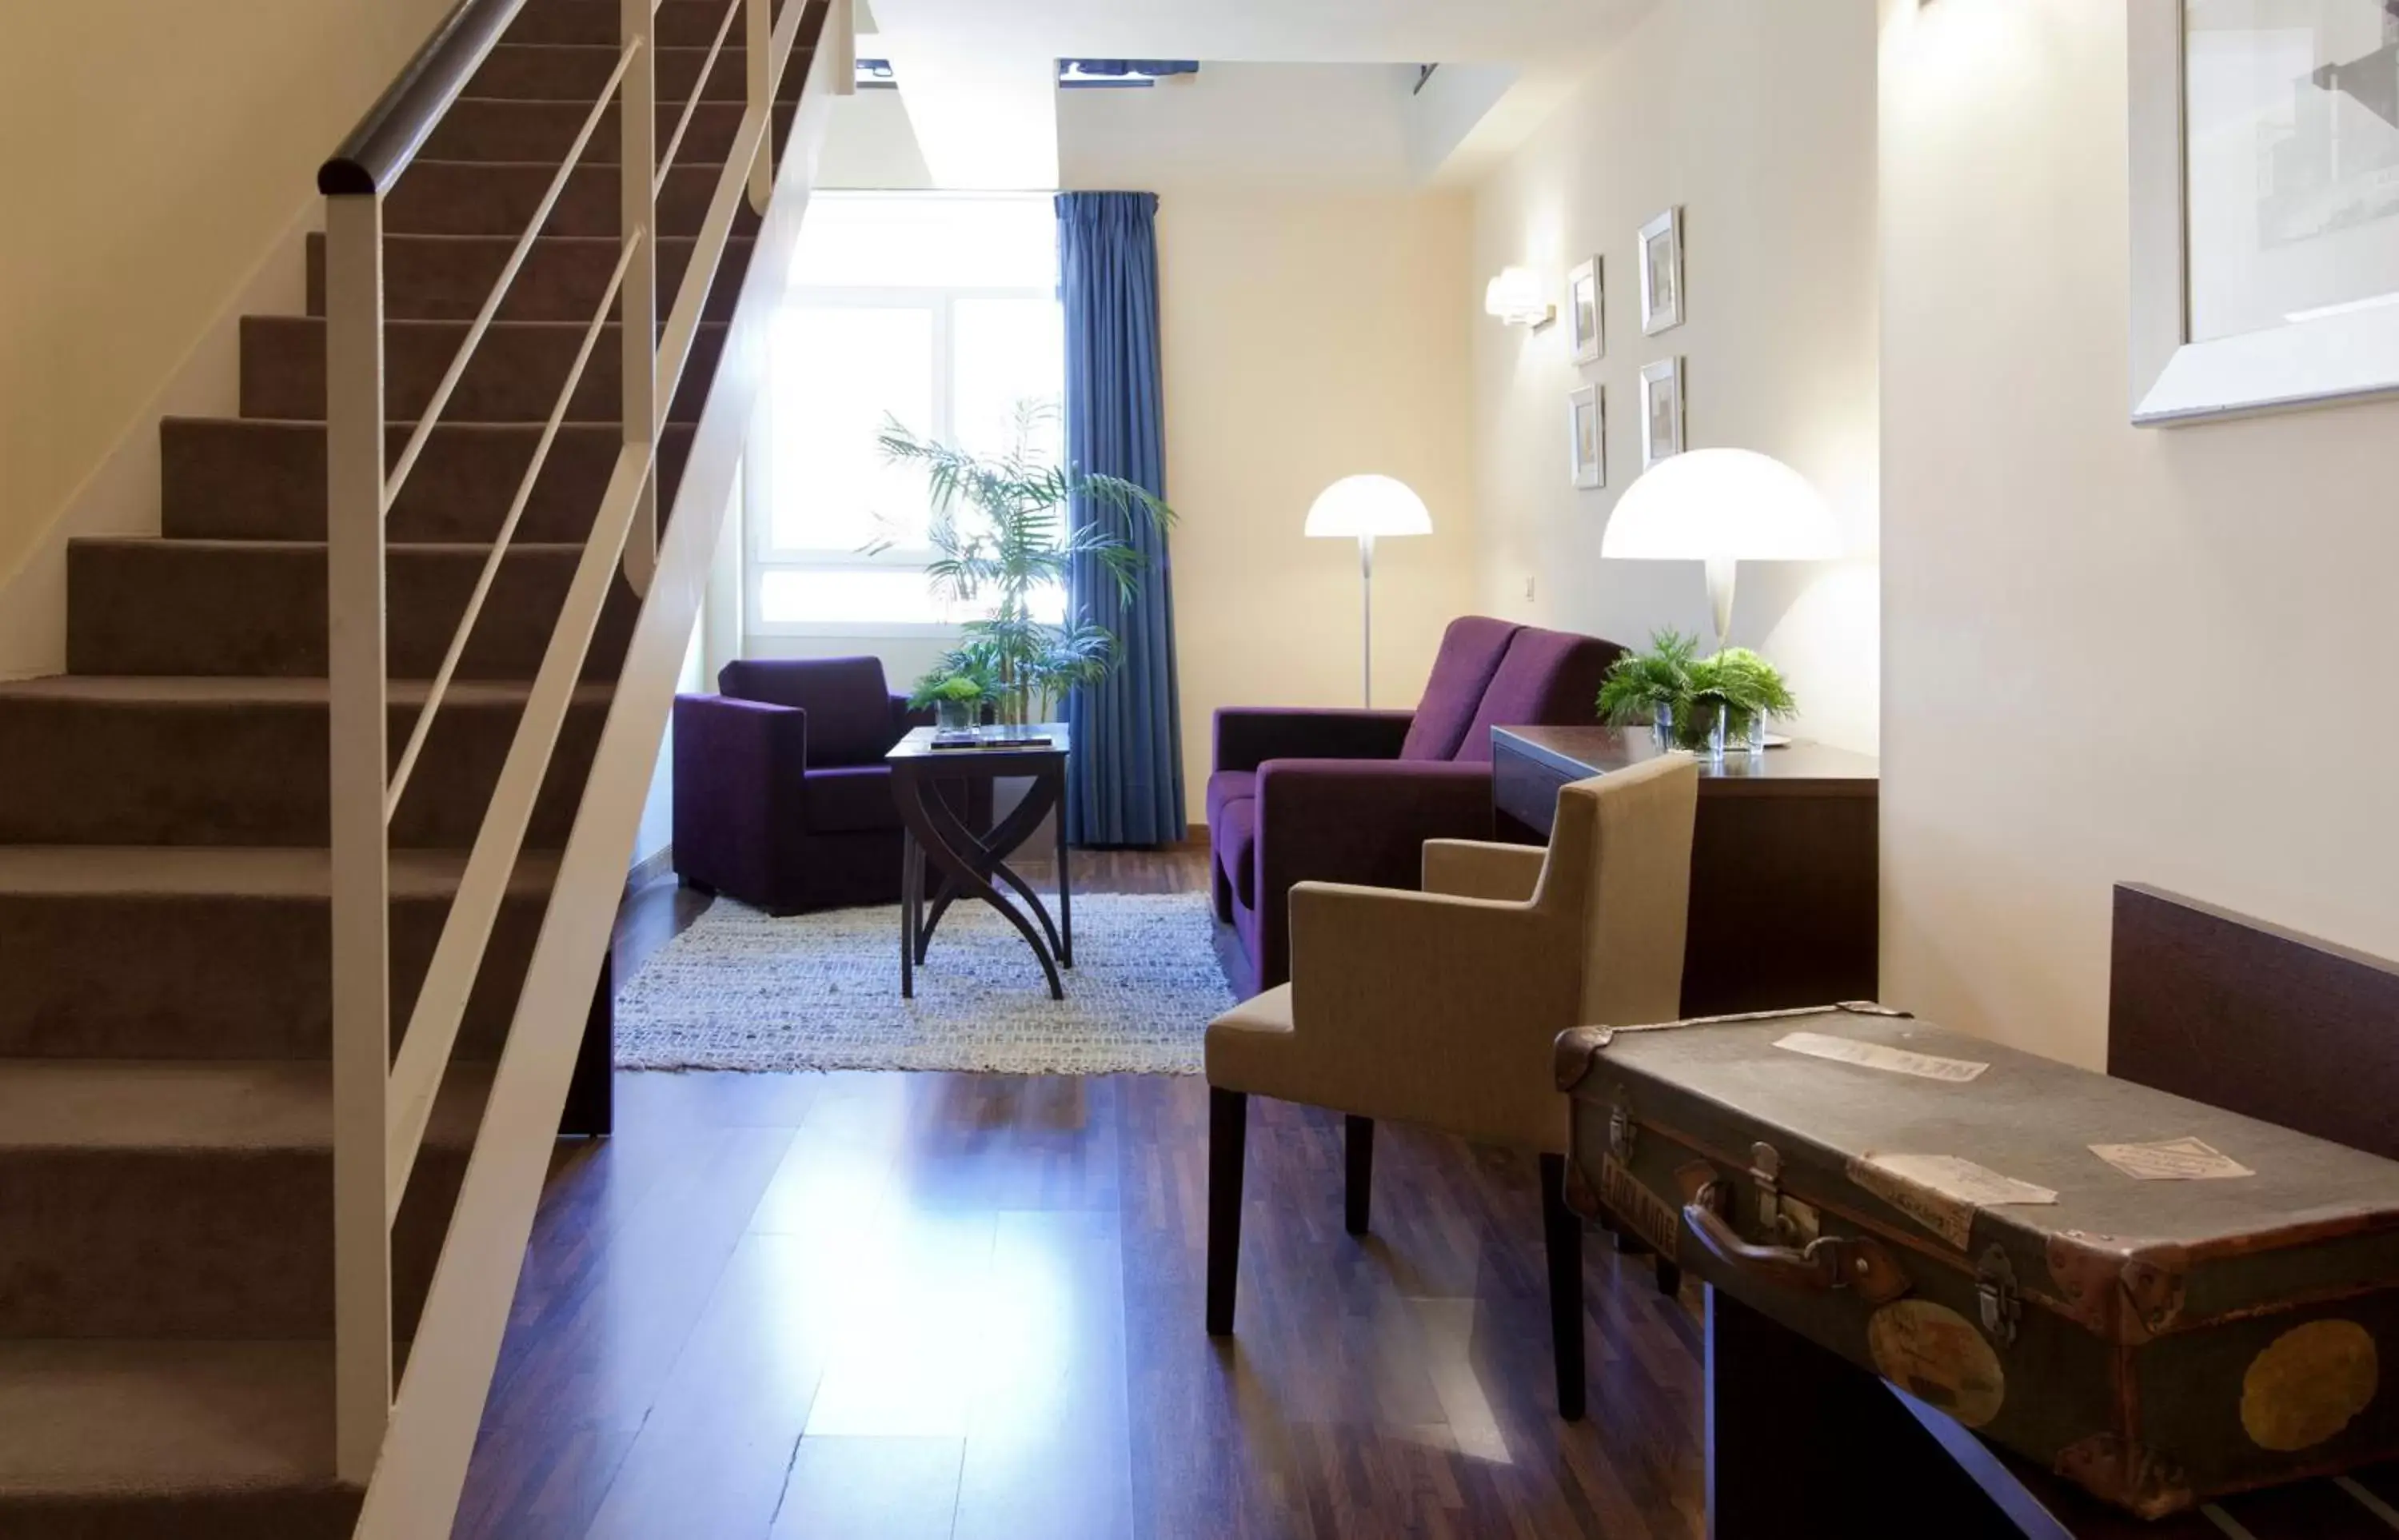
{"x": 739, "y": 766}
{"x": 1354, "y": 821}
{"x": 1249, "y": 735}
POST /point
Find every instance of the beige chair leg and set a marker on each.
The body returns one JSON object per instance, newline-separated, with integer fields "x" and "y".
{"x": 1562, "y": 1236}
{"x": 1227, "y": 1142}
{"x": 1358, "y": 1175}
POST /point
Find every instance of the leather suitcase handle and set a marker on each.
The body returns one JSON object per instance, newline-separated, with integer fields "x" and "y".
{"x": 1856, "y": 1262}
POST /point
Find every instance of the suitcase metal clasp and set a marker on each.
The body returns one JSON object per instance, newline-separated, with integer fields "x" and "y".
{"x": 1766, "y": 1173}
{"x": 1622, "y": 1130}
{"x": 1994, "y": 1288}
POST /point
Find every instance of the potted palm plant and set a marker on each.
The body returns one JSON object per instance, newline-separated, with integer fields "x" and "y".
{"x": 1001, "y": 538}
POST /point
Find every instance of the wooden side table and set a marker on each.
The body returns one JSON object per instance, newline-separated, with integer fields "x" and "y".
{"x": 976, "y": 865}
{"x": 1784, "y": 859}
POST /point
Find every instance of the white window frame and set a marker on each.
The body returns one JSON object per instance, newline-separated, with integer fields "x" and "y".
{"x": 762, "y": 555}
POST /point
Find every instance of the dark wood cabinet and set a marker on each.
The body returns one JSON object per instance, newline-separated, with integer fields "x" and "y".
{"x": 1784, "y": 860}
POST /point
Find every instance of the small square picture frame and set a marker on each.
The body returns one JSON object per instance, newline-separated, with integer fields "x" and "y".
{"x": 1587, "y": 437}
{"x": 1586, "y": 312}
{"x": 1662, "y": 411}
{"x": 1662, "y": 272}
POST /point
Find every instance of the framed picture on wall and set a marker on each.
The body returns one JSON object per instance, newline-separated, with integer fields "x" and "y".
{"x": 1587, "y": 437}
{"x": 1586, "y": 313}
{"x": 2265, "y": 217}
{"x": 1662, "y": 411}
{"x": 1661, "y": 272}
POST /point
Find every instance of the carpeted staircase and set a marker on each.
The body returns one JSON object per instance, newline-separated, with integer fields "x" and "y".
{"x": 166, "y": 1210}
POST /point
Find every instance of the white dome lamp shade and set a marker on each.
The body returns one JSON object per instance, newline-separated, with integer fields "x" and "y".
{"x": 1721, "y": 507}
{"x": 1364, "y": 507}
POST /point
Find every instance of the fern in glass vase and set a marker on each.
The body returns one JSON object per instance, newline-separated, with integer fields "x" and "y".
{"x": 1684, "y": 695}
{"x": 1001, "y": 538}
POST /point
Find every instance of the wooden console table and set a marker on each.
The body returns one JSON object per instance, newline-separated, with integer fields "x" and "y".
{"x": 1784, "y": 859}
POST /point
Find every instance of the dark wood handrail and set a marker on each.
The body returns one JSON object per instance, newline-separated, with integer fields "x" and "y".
{"x": 395, "y": 128}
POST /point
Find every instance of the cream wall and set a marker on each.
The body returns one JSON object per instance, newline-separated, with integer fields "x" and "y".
{"x": 152, "y": 155}
{"x": 1306, "y": 338}
{"x": 1759, "y": 120}
{"x": 2112, "y": 654}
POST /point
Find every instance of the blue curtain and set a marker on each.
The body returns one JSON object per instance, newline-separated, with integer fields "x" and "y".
{"x": 1125, "y": 782}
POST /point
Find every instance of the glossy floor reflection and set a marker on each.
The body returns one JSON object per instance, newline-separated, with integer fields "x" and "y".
{"x": 898, "y": 1305}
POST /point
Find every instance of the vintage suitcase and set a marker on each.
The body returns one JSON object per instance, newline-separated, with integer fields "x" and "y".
{"x": 2163, "y": 1301}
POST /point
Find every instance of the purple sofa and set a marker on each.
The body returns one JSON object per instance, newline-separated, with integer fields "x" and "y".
{"x": 781, "y": 798}
{"x": 1351, "y": 796}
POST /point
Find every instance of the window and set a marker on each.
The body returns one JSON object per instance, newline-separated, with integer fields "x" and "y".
{"x": 939, "y": 311}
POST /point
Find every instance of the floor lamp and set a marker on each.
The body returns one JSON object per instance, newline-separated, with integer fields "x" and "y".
{"x": 1365, "y": 508}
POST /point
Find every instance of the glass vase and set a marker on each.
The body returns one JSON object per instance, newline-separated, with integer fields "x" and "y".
{"x": 952, "y": 716}
{"x": 1661, "y": 725}
{"x": 1699, "y": 728}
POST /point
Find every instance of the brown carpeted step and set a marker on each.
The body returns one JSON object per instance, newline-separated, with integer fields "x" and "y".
{"x": 487, "y": 129}
{"x": 514, "y": 377}
{"x": 224, "y": 478}
{"x": 193, "y": 1440}
{"x": 450, "y": 277}
{"x": 462, "y": 198}
{"x": 106, "y": 1165}
{"x": 255, "y": 607}
{"x": 681, "y": 24}
{"x": 193, "y": 952}
{"x": 578, "y": 72}
{"x": 107, "y": 761}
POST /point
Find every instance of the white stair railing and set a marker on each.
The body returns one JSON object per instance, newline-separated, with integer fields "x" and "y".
{"x": 410, "y": 1450}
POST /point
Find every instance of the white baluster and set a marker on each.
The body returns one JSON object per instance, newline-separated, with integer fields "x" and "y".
{"x": 353, "y": 591}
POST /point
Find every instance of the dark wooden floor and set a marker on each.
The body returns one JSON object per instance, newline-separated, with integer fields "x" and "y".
{"x": 835, "y": 1307}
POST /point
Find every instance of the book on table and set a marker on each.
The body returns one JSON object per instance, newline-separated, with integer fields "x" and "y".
{"x": 968, "y": 739}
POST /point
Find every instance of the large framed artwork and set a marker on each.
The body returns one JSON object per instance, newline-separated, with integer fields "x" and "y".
{"x": 2265, "y": 183}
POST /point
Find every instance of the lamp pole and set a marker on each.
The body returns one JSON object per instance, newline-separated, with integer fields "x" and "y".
{"x": 1366, "y": 615}
{"x": 1720, "y": 576}
{"x": 1360, "y": 508}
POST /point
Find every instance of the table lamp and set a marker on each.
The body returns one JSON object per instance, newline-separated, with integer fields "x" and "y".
{"x": 1720, "y": 507}
{"x": 1365, "y": 506}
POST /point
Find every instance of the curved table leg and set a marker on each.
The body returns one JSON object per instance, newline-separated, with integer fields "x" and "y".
{"x": 1012, "y": 831}
{"x": 1066, "y": 885}
{"x": 926, "y": 818}
{"x": 911, "y": 889}
{"x": 989, "y": 855}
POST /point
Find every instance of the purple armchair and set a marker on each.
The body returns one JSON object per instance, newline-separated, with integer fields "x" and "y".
{"x": 1351, "y": 796}
{"x": 781, "y": 798}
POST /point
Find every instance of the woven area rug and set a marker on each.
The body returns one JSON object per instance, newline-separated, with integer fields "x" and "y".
{"x": 740, "y": 990}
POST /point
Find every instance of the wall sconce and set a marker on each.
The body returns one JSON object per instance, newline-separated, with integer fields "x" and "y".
{"x": 1517, "y": 297}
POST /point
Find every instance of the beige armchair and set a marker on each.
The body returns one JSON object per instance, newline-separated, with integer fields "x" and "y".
{"x": 1440, "y": 1008}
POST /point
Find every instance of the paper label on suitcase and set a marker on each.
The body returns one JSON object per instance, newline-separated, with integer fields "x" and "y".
{"x": 2171, "y": 1160}
{"x": 1940, "y": 1192}
{"x": 1658, "y": 1223}
{"x": 1879, "y": 1056}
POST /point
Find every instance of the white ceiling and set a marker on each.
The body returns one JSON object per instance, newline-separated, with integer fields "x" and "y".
{"x": 1317, "y": 32}
{"x": 976, "y": 77}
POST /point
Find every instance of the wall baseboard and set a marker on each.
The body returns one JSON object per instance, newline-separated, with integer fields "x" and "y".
{"x": 650, "y": 868}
